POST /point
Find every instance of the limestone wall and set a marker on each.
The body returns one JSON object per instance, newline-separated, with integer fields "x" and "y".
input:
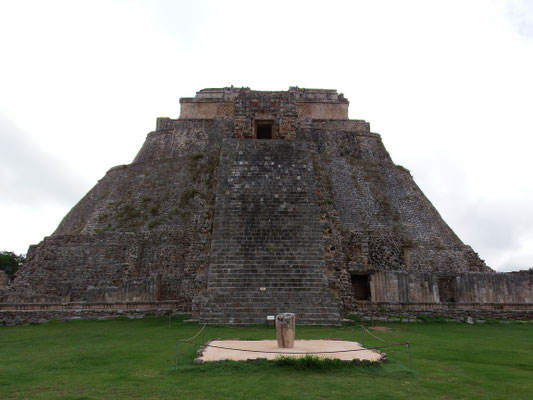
{"x": 374, "y": 216}
{"x": 282, "y": 109}
{"x": 410, "y": 312}
{"x": 31, "y": 313}
{"x": 179, "y": 138}
{"x": 4, "y": 280}
{"x": 251, "y": 107}
{"x": 141, "y": 223}
{"x": 470, "y": 294}
{"x": 206, "y": 110}
{"x": 501, "y": 288}
{"x": 405, "y": 287}
{"x": 322, "y": 110}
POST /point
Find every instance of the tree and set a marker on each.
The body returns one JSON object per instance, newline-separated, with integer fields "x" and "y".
{"x": 11, "y": 262}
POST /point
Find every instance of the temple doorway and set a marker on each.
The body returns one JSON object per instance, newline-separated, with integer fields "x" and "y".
{"x": 263, "y": 129}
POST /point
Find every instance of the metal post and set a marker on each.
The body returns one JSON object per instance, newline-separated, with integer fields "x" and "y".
{"x": 176, "y": 356}
{"x": 410, "y": 360}
{"x": 362, "y": 335}
{"x": 169, "y": 319}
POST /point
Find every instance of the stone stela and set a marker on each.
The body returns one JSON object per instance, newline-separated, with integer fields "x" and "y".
{"x": 285, "y": 330}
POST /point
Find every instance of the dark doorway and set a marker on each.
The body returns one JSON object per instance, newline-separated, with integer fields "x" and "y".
{"x": 264, "y": 130}
{"x": 361, "y": 287}
{"x": 447, "y": 289}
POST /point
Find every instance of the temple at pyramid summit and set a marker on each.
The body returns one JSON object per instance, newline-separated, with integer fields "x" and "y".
{"x": 250, "y": 204}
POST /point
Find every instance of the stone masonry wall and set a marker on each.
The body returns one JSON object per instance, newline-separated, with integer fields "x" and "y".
{"x": 4, "y": 280}
{"x": 405, "y": 287}
{"x": 248, "y": 107}
{"x": 410, "y": 312}
{"x": 322, "y": 110}
{"x": 206, "y": 110}
{"x": 20, "y": 314}
{"x": 142, "y": 233}
{"x": 178, "y": 138}
{"x": 258, "y": 106}
{"x": 374, "y": 217}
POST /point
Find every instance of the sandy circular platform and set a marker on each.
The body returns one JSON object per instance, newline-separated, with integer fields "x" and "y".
{"x": 268, "y": 349}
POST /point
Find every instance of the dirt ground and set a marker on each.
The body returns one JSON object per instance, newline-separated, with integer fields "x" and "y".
{"x": 243, "y": 350}
{"x": 380, "y": 328}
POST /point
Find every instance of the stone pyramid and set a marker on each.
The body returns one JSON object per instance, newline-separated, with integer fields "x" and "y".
{"x": 250, "y": 204}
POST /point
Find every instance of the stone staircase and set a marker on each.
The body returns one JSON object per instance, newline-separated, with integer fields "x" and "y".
{"x": 267, "y": 254}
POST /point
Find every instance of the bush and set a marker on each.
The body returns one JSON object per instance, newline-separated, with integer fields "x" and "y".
{"x": 128, "y": 212}
{"x": 310, "y": 362}
{"x": 10, "y": 262}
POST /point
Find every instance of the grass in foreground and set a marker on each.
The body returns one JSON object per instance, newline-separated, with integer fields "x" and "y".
{"x": 124, "y": 359}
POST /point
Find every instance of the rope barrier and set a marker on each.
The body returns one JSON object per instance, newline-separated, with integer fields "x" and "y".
{"x": 371, "y": 334}
{"x": 315, "y": 328}
{"x": 263, "y": 330}
{"x": 391, "y": 344}
{"x": 351, "y": 328}
{"x": 200, "y": 331}
{"x": 296, "y": 352}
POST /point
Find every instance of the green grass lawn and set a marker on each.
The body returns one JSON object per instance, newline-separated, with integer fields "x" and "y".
{"x": 124, "y": 359}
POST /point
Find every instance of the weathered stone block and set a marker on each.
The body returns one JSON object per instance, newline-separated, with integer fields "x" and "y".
{"x": 285, "y": 330}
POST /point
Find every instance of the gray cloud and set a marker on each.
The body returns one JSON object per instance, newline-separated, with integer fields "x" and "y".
{"x": 498, "y": 225}
{"x": 188, "y": 22}
{"x": 30, "y": 176}
{"x": 496, "y": 228}
{"x": 519, "y": 13}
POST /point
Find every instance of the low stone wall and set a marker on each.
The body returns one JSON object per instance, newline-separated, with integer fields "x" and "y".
{"x": 386, "y": 311}
{"x": 462, "y": 289}
{"x": 36, "y": 313}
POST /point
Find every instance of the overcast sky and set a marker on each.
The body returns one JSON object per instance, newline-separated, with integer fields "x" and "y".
{"x": 448, "y": 84}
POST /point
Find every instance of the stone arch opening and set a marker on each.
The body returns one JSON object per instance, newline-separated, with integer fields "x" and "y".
{"x": 263, "y": 129}
{"x": 447, "y": 289}
{"x": 361, "y": 286}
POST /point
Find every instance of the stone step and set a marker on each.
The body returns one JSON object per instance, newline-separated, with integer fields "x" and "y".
{"x": 305, "y": 318}
{"x": 266, "y": 295}
{"x": 301, "y": 278}
{"x": 275, "y": 263}
{"x": 251, "y": 307}
{"x": 261, "y": 319}
{"x": 259, "y": 277}
{"x": 267, "y": 235}
{"x": 232, "y": 277}
{"x": 222, "y": 271}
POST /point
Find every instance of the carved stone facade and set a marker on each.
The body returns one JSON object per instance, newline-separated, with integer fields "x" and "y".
{"x": 254, "y": 203}
{"x": 252, "y": 110}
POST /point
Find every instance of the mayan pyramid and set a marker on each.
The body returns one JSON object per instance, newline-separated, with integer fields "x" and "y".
{"x": 249, "y": 204}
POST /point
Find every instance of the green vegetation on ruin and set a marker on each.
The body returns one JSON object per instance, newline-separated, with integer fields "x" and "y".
{"x": 11, "y": 262}
{"x": 124, "y": 359}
